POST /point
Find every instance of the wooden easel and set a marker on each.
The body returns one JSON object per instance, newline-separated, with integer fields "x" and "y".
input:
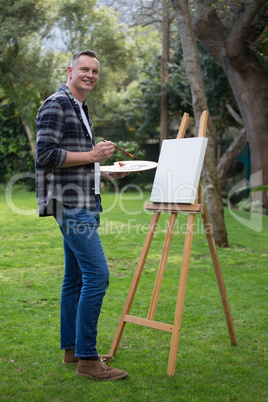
{"x": 174, "y": 209}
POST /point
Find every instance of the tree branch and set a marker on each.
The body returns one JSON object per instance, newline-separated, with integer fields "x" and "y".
{"x": 212, "y": 32}
{"x": 209, "y": 29}
{"x": 248, "y": 12}
{"x": 240, "y": 31}
{"x": 235, "y": 115}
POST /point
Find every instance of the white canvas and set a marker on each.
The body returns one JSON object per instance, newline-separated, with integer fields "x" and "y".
{"x": 178, "y": 171}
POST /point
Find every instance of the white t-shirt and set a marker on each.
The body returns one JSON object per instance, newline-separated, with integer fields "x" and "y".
{"x": 96, "y": 164}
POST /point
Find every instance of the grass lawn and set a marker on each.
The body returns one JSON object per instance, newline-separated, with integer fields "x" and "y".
{"x": 208, "y": 368}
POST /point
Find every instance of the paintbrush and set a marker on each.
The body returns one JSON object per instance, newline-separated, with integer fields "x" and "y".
{"x": 125, "y": 152}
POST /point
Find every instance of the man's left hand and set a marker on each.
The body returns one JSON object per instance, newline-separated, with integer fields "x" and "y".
{"x": 114, "y": 175}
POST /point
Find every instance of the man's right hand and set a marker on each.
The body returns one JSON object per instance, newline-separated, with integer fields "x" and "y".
{"x": 102, "y": 151}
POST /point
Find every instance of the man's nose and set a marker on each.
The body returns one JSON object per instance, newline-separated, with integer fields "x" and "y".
{"x": 89, "y": 73}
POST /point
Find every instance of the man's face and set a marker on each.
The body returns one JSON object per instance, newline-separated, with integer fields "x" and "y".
{"x": 84, "y": 75}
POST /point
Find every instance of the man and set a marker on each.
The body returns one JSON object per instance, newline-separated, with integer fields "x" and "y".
{"x": 68, "y": 187}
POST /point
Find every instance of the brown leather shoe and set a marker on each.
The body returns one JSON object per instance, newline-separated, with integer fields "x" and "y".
{"x": 106, "y": 358}
{"x": 70, "y": 358}
{"x": 99, "y": 370}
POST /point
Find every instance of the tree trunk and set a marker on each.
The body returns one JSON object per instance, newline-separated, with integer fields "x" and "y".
{"x": 251, "y": 93}
{"x": 227, "y": 161}
{"x": 28, "y": 130}
{"x": 164, "y": 73}
{"x": 193, "y": 69}
{"x": 228, "y": 158}
{"x": 247, "y": 78}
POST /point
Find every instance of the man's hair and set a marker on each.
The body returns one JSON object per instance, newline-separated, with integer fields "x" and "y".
{"x": 86, "y": 52}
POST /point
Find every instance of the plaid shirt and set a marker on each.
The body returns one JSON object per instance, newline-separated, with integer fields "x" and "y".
{"x": 60, "y": 129}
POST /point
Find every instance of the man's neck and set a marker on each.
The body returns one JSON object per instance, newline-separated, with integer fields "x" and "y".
{"x": 76, "y": 94}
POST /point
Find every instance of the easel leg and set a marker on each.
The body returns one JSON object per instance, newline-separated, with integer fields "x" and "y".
{"x": 218, "y": 271}
{"x": 135, "y": 282}
{"x": 162, "y": 266}
{"x": 181, "y": 295}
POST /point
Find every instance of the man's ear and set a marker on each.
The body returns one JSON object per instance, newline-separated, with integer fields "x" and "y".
{"x": 69, "y": 71}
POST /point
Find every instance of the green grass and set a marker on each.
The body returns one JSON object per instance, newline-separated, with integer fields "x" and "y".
{"x": 208, "y": 368}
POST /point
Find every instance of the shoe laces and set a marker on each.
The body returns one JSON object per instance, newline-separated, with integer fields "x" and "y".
{"x": 103, "y": 364}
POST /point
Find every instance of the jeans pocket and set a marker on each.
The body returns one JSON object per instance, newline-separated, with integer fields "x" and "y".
{"x": 86, "y": 217}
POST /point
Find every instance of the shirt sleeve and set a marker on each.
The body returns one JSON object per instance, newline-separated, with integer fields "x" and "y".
{"x": 49, "y": 132}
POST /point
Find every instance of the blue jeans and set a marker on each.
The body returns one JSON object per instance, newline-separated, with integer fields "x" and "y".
{"x": 85, "y": 281}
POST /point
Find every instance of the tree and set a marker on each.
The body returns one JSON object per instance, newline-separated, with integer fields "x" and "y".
{"x": 31, "y": 72}
{"x": 20, "y": 18}
{"x": 83, "y": 25}
{"x": 228, "y": 159}
{"x": 164, "y": 72}
{"x": 14, "y": 148}
{"x": 230, "y": 32}
{"x": 147, "y": 13}
{"x": 193, "y": 68}
{"x": 22, "y": 61}
{"x": 137, "y": 12}
{"x": 134, "y": 94}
